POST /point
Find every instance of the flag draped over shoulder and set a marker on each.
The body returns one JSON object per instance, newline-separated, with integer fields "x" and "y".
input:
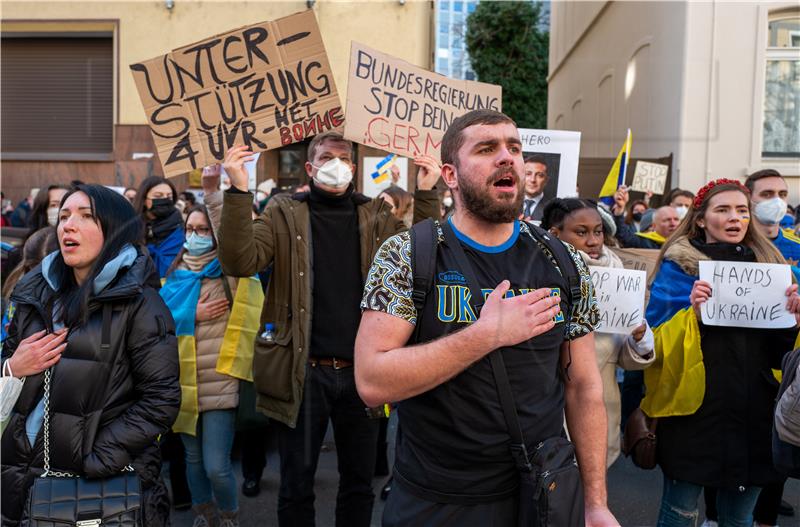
{"x": 616, "y": 176}
{"x": 675, "y": 383}
{"x": 181, "y": 293}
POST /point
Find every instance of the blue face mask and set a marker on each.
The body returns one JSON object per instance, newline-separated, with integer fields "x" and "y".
{"x": 198, "y": 245}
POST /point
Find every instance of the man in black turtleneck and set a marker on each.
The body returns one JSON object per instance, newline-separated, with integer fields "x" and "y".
{"x": 321, "y": 244}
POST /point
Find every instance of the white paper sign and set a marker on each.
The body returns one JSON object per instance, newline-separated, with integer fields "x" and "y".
{"x": 250, "y": 166}
{"x": 746, "y": 295}
{"x": 562, "y": 151}
{"x": 372, "y": 189}
{"x": 649, "y": 177}
{"x": 620, "y": 298}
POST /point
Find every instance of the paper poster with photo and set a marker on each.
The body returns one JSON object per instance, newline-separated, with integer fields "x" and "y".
{"x": 620, "y": 298}
{"x": 559, "y": 151}
{"x": 372, "y": 186}
{"x": 746, "y": 295}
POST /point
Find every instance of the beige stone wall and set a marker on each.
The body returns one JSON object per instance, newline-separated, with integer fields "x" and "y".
{"x": 145, "y": 29}
{"x": 697, "y": 89}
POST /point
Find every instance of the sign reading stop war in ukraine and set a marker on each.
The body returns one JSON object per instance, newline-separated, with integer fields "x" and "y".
{"x": 264, "y": 86}
{"x": 620, "y": 298}
{"x": 396, "y": 106}
{"x": 746, "y": 295}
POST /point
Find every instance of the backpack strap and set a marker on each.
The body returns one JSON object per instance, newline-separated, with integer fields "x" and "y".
{"x": 423, "y": 264}
{"x": 565, "y": 262}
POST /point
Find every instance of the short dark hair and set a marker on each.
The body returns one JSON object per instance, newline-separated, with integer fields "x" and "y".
{"x": 560, "y": 208}
{"x": 750, "y": 182}
{"x": 677, "y": 192}
{"x": 535, "y": 158}
{"x": 334, "y": 137}
{"x": 453, "y": 138}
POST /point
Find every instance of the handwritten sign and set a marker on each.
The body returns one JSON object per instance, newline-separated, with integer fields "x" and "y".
{"x": 396, "y": 106}
{"x": 649, "y": 177}
{"x": 638, "y": 259}
{"x": 620, "y": 298}
{"x": 264, "y": 85}
{"x": 746, "y": 295}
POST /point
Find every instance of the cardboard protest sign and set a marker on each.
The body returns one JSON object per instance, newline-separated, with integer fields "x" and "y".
{"x": 649, "y": 177}
{"x": 746, "y": 295}
{"x": 264, "y": 85}
{"x": 396, "y": 106}
{"x": 620, "y": 298}
{"x": 638, "y": 259}
{"x": 559, "y": 151}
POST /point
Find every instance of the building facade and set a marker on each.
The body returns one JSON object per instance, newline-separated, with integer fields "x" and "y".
{"x": 716, "y": 84}
{"x": 70, "y": 109}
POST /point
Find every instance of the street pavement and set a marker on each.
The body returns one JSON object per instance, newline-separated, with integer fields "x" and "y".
{"x": 634, "y": 495}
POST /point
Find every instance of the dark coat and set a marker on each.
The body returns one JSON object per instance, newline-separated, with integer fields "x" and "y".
{"x": 727, "y": 442}
{"x": 103, "y": 416}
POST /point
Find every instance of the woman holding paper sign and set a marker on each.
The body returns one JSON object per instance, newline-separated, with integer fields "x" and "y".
{"x": 576, "y": 221}
{"x": 712, "y": 387}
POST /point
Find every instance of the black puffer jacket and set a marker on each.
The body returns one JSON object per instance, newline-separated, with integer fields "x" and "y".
{"x": 103, "y": 416}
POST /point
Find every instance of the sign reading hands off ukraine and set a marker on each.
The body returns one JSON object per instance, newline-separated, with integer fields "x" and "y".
{"x": 265, "y": 86}
{"x": 746, "y": 295}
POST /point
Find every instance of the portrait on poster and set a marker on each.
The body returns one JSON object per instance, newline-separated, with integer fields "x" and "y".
{"x": 557, "y": 152}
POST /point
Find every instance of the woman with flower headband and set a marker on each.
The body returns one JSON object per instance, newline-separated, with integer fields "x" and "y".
{"x": 712, "y": 387}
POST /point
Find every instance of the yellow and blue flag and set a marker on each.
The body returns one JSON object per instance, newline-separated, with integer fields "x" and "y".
{"x": 616, "y": 176}
{"x": 381, "y": 173}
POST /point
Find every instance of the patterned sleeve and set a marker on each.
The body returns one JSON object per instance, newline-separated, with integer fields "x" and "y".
{"x": 389, "y": 284}
{"x": 585, "y": 314}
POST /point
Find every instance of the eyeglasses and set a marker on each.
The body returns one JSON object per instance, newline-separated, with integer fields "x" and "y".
{"x": 201, "y": 231}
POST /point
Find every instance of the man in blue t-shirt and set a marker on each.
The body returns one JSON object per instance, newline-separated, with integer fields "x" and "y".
{"x": 453, "y": 462}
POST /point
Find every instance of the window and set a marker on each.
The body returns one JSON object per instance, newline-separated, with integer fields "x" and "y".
{"x": 57, "y": 97}
{"x": 458, "y": 6}
{"x": 442, "y": 65}
{"x": 782, "y": 87}
{"x": 444, "y": 5}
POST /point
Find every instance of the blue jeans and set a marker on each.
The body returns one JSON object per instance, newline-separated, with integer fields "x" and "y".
{"x": 208, "y": 459}
{"x": 679, "y": 505}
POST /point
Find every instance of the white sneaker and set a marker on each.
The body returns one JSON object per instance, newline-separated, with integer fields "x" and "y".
{"x": 709, "y": 523}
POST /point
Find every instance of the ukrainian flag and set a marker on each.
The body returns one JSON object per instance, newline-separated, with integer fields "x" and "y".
{"x": 616, "y": 176}
{"x": 381, "y": 173}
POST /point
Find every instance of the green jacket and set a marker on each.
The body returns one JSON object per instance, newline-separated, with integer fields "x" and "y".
{"x": 281, "y": 236}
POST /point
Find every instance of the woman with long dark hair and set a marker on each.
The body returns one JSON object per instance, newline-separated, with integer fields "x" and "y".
{"x": 163, "y": 223}
{"x": 89, "y": 319}
{"x": 712, "y": 387}
{"x": 45, "y": 208}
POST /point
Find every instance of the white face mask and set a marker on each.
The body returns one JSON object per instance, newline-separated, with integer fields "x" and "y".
{"x": 447, "y": 201}
{"x": 682, "y": 210}
{"x": 52, "y": 216}
{"x": 771, "y": 211}
{"x": 334, "y": 173}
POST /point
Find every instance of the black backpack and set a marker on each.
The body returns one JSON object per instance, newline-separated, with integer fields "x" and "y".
{"x": 786, "y": 456}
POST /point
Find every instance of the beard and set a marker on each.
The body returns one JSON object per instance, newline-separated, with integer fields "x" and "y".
{"x": 478, "y": 201}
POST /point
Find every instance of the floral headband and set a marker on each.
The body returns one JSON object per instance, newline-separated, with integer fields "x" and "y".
{"x": 701, "y": 194}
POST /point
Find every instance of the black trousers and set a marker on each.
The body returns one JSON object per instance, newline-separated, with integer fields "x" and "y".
{"x": 329, "y": 394}
{"x": 404, "y": 509}
{"x": 254, "y": 442}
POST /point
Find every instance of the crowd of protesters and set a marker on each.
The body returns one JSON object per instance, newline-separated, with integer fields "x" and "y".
{"x": 266, "y": 315}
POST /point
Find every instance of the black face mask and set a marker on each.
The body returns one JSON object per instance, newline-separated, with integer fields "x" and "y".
{"x": 162, "y": 207}
{"x": 637, "y": 216}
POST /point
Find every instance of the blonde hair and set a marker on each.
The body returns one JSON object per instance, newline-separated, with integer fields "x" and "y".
{"x": 764, "y": 249}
